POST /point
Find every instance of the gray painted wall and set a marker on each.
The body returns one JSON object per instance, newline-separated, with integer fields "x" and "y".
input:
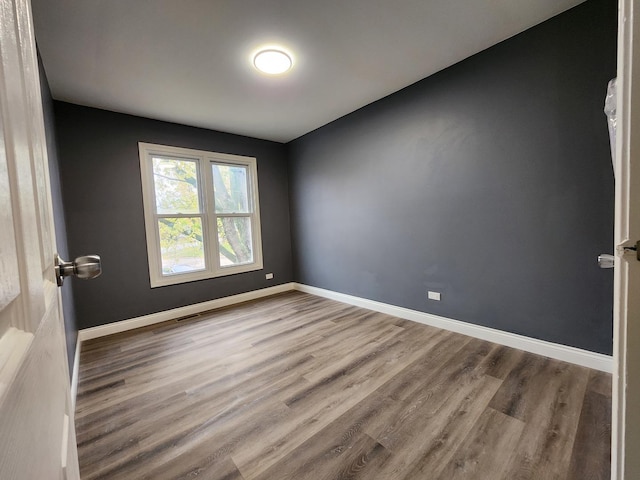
{"x": 68, "y": 306}
{"x": 490, "y": 182}
{"x": 99, "y": 168}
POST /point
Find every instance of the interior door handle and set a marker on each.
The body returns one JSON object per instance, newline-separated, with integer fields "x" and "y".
{"x": 85, "y": 267}
{"x": 606, "y": 261}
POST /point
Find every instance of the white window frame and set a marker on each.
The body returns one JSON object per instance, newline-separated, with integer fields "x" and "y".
{"x": 204, "y": 161}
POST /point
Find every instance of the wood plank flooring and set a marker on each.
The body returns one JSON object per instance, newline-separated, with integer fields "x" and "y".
{"x": 299, "y": 387}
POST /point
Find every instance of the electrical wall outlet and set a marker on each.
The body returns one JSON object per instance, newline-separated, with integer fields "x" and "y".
{"x": 434, "y": 295}
{"x": 269, "y": 276}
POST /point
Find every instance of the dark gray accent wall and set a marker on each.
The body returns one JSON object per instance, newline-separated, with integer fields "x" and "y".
{"x": 490, "y": 182}
{"x": 100, "y": 170}
{"x": 68, "y": 306}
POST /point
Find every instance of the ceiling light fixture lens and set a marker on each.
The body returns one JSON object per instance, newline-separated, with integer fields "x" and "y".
{"x": 272, "y": 61}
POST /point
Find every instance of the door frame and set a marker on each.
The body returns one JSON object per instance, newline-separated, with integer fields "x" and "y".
{"x": 625, "y": 425}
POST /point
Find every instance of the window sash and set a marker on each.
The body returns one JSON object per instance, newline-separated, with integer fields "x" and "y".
{"x": 198, "y": 179}
{"x": 181, "y": 264}
{"x": 248, "y": 189}
{"x": 250, "y": 219}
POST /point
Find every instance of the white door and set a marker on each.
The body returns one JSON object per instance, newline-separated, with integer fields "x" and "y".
{"x": 625, "y": 461}
{"x": 37, "y": 436}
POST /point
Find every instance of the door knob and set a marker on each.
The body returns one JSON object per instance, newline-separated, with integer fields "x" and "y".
{"x": 85, "y": 267}
{"x": 606, "y": 261}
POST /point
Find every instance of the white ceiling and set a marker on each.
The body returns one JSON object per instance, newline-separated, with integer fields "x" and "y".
{"x": 189, "y": 61}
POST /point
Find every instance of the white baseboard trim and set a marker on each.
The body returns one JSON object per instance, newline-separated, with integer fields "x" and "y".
{"x": 585, "y": 358}
{"x": 75, "y": 373}
{"x": 565, "y": 353}
{"x": 145, "y": 320}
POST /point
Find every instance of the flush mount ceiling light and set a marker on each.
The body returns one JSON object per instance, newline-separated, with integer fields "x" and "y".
{"x": 272, "y": 61}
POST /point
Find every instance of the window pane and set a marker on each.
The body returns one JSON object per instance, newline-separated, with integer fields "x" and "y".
{"x": 230, "y": 188}
{"x": 234, "y": 237}
{"x": 181, "y": 245}
{"x": 176, "y": 185}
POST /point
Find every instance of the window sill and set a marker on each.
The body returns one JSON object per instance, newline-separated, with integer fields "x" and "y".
{"x": 179, "y": 278}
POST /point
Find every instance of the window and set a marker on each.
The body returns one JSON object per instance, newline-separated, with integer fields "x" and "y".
{"x": 201, "y": 214}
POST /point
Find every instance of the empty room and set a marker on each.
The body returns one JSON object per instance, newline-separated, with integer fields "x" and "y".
{"x": 319, "y": 240}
